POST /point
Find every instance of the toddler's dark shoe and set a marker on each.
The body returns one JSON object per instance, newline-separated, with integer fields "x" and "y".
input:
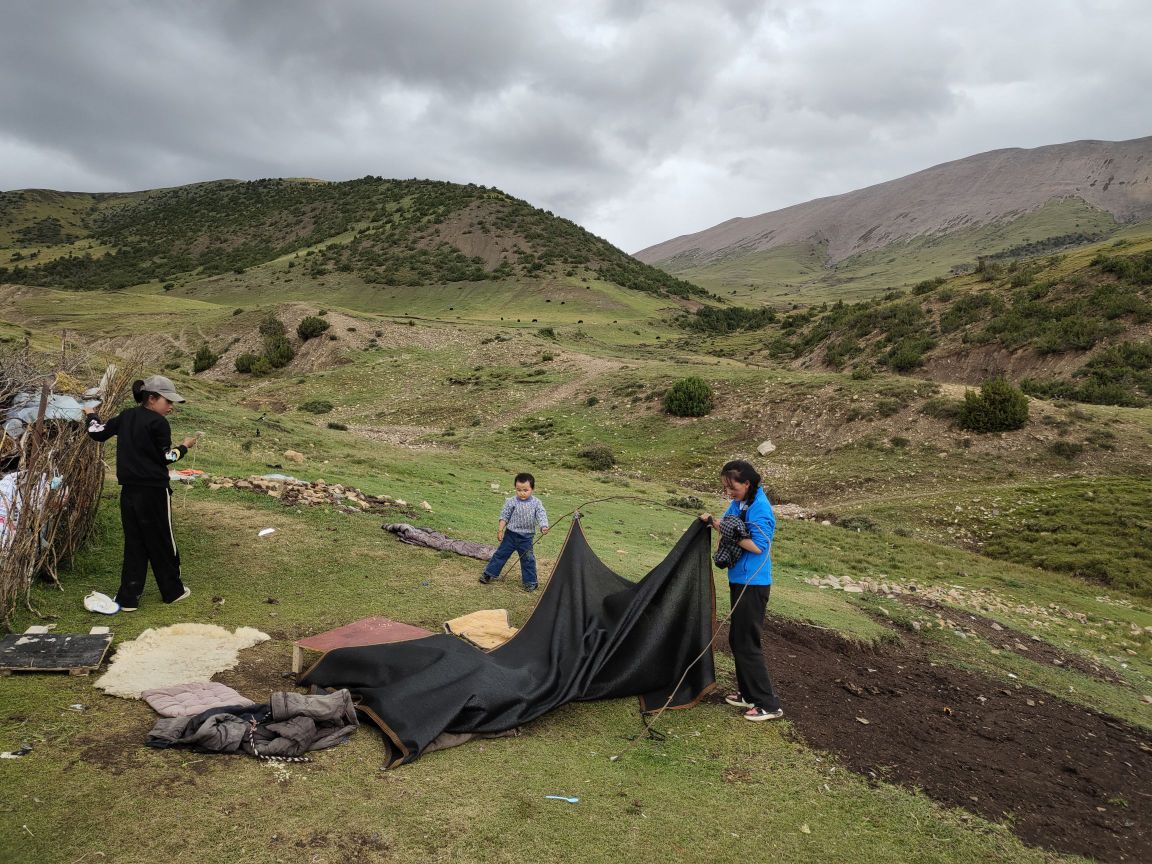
{"x": 487, "y": 580}
{"x": 530, "y": 588}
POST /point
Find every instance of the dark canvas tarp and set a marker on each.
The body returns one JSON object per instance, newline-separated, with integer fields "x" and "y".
{"x": 593, "y": 635}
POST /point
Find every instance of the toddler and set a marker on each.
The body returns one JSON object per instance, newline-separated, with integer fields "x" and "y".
{"x": 519, "y": 518}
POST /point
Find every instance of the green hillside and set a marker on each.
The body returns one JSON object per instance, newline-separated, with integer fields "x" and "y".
{"x": 1068, "y": 325}
{"x": 386, "y": 232}
{"x": 801, "y": 274}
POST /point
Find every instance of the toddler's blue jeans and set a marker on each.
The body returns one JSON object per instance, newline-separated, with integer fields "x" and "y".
{"x": 514, "y": 541}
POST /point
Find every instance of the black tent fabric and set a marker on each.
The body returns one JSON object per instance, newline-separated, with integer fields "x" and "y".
{"x": 593, "y": 635}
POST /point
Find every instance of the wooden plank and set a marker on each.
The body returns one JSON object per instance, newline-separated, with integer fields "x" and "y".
{"x": 76, "y": 653}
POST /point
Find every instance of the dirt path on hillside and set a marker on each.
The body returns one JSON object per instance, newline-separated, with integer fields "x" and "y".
{"x": 1061, "y": 776}
{"x": 588, "y": 369}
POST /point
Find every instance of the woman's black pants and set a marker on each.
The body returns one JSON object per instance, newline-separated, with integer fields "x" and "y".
{"x": 745, "y": 634}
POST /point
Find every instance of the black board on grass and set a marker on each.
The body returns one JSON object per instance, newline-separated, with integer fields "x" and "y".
{"x": 75, "y": 653}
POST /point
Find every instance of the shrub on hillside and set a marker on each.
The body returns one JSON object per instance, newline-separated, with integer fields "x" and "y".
{"x": 271, "y": 326}
{"x": 857, "y": 523}
{"x": 1134, "y": 269}
{"x": 730, "y": 319}
{"x": 310, "y": 327}
{"x": 1066, "y": 449}
{"x": 598, "y": 457}
{"x": 998, "y": 407}
{"x": 261, "y": 367}
{"x": 927, "y": 286}
{"x": 278, "y": 351}
{"x": 688, "y": 397}
{"x": 942, "y": 408}
{"x": 908, "y": 353}
{"x": 244, "y": 362}
{"x": 316, "y": 406}
{"x": 204, "y": 359}
{"x": 1119, "y": 375}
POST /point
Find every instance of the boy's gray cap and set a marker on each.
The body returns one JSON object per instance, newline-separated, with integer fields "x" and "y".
{"x": 163, "y": 386}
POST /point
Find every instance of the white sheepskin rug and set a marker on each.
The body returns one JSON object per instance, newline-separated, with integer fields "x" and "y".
{"x": 179, "y": 654}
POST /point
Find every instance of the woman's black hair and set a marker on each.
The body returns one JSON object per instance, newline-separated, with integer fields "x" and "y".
{"x": 140, "y": 394}
{"x": 743, "y": 472}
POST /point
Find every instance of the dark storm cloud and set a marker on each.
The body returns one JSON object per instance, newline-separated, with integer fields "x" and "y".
{"x": 640, "y": 120}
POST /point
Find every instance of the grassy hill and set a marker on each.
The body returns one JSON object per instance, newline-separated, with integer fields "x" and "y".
{"x": 1023, "y": 564}
{"x": 1069, "y": 325}
{"x": 386, "y": 232}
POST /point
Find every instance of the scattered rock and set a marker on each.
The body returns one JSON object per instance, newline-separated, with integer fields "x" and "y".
{"x": 294, "y": 455}
{"x": 765, "y": 448}
{"x": 292, "y": 492}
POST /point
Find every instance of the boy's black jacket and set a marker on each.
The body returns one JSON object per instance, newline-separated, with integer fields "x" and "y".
{"x": 144, "y": 440}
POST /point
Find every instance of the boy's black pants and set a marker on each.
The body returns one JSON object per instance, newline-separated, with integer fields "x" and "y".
{"x": 146, "y": 513}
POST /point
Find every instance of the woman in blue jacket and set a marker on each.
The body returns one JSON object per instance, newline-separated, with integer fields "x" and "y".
{"x": 749, "y": 584}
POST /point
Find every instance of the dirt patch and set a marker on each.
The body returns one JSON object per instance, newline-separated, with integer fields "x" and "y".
{"x": 1061, "y": 776}
{"x": 112, "y": 751}
{"x": 262, "y": 670}
{"x": 412, "y": 437}
{"x": 348, "y": 845}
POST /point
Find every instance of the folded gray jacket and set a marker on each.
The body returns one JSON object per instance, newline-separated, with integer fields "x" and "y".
{"x": 289, "y": 725}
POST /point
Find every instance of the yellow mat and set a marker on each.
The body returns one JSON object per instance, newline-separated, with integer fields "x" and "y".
{"x": 485, "y": 628}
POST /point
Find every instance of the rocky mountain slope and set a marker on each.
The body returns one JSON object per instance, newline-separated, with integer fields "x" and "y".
{"x": 1001, "y": 185}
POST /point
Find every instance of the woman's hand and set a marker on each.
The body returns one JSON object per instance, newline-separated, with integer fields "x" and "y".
{"x": 189, "y": 441}
{"x": 707, "y": 517}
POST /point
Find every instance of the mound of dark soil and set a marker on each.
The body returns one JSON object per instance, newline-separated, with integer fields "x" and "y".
{"x": 1061, "y": 776}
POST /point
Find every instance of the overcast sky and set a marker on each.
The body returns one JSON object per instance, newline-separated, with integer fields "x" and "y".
{"x": 639, "y": 120}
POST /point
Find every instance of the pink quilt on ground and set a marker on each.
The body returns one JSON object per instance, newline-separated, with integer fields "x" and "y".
{"x": 187, "y": 700}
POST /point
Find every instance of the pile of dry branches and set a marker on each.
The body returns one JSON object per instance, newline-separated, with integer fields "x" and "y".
{"x": 61, "y": 471}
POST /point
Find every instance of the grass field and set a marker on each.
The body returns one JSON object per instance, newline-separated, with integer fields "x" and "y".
{"x": 483, "y": 802}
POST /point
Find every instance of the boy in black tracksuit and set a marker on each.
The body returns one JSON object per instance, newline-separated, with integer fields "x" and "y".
{"x": 143, "y": 454}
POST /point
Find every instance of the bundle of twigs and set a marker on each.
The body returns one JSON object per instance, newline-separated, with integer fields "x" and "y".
{"x": 61, "y": 471}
